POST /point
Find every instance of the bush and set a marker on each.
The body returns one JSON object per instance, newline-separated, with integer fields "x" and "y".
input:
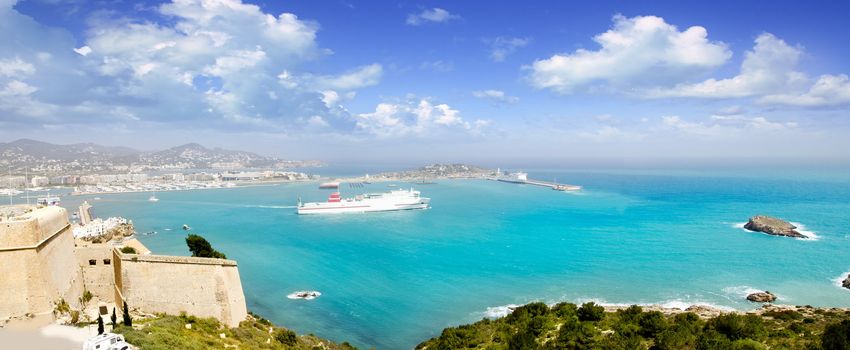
{"x": 737, "y": 327}
{"x": 565, "y": 309}
{"x": 677, "y": 337}
{"x": 836, "y": 336}
{"x": 523, "y": 341}
{"x": 591, "y": 312}
{"x": 747, "y": 344}
{"x": 201, "y": 248}
{"x": 652, "y": 323}
{"x": 128, "y": 250}
{"x": 285, "y": 336}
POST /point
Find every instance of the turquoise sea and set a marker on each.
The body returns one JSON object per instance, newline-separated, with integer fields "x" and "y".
{"x": 391, "y": 280}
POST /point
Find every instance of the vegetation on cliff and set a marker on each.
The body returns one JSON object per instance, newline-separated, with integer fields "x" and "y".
{"x": 567, "y": 326}
{"x": 190, "y": 333}
{"x": 201, "y": 248}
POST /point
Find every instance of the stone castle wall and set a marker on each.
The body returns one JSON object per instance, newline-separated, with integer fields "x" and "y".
{"x": 99, "y": 277}
{"x": 170, "y": 284}
{"x": 37, "y": 263}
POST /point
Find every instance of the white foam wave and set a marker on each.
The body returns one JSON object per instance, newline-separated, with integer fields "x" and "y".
{"x": 741, "y": 291}
{"x": 504, "y": 310}
{"x": 810, "y": 235}
{"x": 500, "y": 311}
{"x": 840, "y": 279}
{"x": 306, "y": 295}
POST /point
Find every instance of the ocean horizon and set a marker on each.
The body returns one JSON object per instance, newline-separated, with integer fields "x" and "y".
{"x": 392, "y": 280}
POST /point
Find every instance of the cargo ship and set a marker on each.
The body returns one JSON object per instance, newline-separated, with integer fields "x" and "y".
{"x": 368, "y": 202}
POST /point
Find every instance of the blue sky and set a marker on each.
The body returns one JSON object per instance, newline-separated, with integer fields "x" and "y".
{"x": 545, "y": 82}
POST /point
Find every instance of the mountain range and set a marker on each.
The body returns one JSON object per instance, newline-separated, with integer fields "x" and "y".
{"x": 45, "y": 157}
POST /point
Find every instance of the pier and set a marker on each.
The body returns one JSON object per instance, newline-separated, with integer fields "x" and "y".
{"x": 522, "y": 178}
{"x": 553, "y": 185}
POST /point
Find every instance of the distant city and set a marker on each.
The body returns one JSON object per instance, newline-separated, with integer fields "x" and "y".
{"x": 92, "y": 168}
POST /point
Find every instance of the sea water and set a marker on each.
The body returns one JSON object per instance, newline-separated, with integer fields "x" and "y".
{"x": 392, "y": 280}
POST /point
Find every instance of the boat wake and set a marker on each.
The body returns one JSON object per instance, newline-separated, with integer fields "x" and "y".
{"x": 271, "y": 206}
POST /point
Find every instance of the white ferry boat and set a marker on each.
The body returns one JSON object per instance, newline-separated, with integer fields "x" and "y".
{"x": 370, "y": 202}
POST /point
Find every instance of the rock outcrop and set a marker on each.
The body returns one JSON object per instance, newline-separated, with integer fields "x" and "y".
{"x": 762, "y": 297}
{"x": 772, "y": 226}
{"x": 846, "y": 282}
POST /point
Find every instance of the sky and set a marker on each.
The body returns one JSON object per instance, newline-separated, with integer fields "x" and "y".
{"x": 536, "y": 82}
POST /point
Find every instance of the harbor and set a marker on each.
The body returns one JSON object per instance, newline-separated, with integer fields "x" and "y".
{"x": 522, "y": 178}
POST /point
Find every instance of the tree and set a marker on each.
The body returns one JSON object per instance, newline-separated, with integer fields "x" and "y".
{"x": 128, "y": 250}
{"x": 201, "y": 248}
{"x": 99, "y": 324}
{"x": 591, "y": 312}
{"x": 113, "y": 318}
{"x": 127, "y": 320}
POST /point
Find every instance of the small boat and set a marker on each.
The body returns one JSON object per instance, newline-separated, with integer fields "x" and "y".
{"x": 153, "y": 198}
{"x": 392, "y": 185}
{"x": 304, "y": 294}
{"x": 329, "y": 185}
{"x": 186, "y": 227}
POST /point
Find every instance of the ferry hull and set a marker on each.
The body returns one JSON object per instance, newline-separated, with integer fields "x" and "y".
{"x": 358, "y": 208}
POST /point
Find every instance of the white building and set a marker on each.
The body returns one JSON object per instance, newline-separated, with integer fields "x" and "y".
{"x": 98, "y": 227}
{"x": 40, "y": 181}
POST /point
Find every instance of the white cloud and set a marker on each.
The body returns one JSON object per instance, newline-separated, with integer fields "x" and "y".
{"x": 359, "y": 78}
{"x": 332, "y": 98}
{"x": 829, "y": 90}
{"x": 437, "y": 66}
{"x": 724, "y": 126}
{"x": 17, "y": 88}
{"x": 421, "y": 118}
{"x": 83, "y": 51}
{"x": 768, "y": 68}
{"x": 634, "y": 50}
{"x": 15, "y": 68}
{"x": 495, "y": 96}
{"x": 503, "y": 46}
{"x": 435, "y": 15}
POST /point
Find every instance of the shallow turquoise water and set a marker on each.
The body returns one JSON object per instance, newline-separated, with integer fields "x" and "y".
{"x": 391, "y": 280}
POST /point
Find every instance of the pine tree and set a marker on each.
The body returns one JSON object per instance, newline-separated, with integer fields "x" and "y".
{"x": 127, "y": 320}
{"x": 99, "y": 324}
{"x": 114, "y": 318}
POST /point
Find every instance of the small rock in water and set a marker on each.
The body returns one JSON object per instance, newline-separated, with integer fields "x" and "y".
{"x": 846, "y": 283}
{"x": 762, "y": 297}
{"x": 772, "y": 226}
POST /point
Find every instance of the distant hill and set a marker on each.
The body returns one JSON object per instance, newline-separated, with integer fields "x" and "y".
{"x": 43, "y": 157}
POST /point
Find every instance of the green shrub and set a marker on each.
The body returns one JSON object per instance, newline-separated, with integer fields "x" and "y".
{"x": 652, "y": 323}
{"x": 285, "y": 336}
{"x": 736, "y": 327}
{"x": 525, "y": 313}
{"x": 201, "y": 248}
{"x": 836, "y": 336}
{"x": 747, "y": 344}
{"x": 565, "y": 309}
{"x": 128, "y": 250}
{"x": 784, "y": 315}
{"x": 590, "y": 312}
